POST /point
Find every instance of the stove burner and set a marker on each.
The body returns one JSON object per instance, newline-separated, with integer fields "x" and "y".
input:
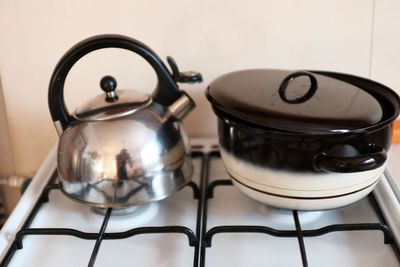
{"x": 285, "y": 217}
{"x": 122, "y": 211}
{"x": 116, "y": 211}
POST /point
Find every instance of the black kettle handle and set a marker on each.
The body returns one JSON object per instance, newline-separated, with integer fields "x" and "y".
{"x": 165, "y": 93}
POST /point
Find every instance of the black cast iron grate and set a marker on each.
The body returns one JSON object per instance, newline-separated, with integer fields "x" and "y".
{"x": 201, "y": 239}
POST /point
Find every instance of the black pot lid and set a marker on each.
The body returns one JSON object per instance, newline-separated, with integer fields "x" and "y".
{"x": 301, "y": 101}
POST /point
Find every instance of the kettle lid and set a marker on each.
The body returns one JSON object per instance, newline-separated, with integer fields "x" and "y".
{"x": 113, "y": 104}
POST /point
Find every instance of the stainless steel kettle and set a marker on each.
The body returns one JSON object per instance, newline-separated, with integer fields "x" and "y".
{"x": 122, "y": 148}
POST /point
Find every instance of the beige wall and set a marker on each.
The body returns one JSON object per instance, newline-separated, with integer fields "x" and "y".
{"x": 8, "y": 196}
{"x": 6, "y": 158}
{"x": 211, "y": 36}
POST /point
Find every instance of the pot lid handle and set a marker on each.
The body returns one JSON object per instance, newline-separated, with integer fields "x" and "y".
{"x": 166, "y": 91}
{"x": 285, "y": 83}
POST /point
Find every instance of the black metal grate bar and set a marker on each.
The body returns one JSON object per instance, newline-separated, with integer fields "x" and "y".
{"x": 195, "y": 189}
{"x": 154, "y": 230}
{"x": 387, "y": 235}
{"x": 107, "y": 236}
{"x": 299, "y": 235}
{"x": 378, "y": 211}
{"x": 246, "y": 229}
{"x": 199, "y": 252}
{"x": 213, "y": 184}
{"x": 201, "y": 224}
{"x": 46, "y": 191}
{"x": 53, "y": 231}
{"x": 44, "y": 197}
{"x": 293, "y": 233}
{"x": 99, "y": 238}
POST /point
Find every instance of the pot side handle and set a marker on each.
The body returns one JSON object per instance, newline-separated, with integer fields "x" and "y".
{"x": 374, "y": 159}
{"x": 166, "y": 91}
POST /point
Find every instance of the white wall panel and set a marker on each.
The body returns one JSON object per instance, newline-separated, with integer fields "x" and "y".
{"x": 386, "y": 47}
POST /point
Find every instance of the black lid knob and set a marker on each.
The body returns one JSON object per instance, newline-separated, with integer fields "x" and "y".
{"x": 108, "y": 84}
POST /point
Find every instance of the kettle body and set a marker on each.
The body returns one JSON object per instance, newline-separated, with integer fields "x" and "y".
{"x": 122, "y": 148}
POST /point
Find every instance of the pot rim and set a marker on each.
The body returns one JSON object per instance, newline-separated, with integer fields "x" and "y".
{"x": 257, "y": 130}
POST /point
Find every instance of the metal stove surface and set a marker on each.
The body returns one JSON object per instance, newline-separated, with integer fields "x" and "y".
{"x": 197, "y": 228}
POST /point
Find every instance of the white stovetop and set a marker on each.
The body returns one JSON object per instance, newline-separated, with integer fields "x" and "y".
{"x": 227, "y": 207}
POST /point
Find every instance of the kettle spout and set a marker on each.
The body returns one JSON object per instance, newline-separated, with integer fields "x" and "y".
{"x": 182, "y": 106}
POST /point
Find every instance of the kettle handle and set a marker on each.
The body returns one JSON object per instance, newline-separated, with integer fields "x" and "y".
{"x": 165, "y": 93}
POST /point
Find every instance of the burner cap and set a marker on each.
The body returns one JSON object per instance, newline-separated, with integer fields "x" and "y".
{"x": 285, "y": 217}
{"x": 121, "y": 211}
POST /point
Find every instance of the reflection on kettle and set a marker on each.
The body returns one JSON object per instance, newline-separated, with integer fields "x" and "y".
{"x": 92, "y": 165}
{"x": 124, "y": 162}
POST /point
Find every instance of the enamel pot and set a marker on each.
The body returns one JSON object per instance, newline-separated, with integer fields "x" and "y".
{"x": 305, "y": 140}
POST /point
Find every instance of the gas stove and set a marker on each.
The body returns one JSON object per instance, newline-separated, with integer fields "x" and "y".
{"x": 207, "y": 223}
